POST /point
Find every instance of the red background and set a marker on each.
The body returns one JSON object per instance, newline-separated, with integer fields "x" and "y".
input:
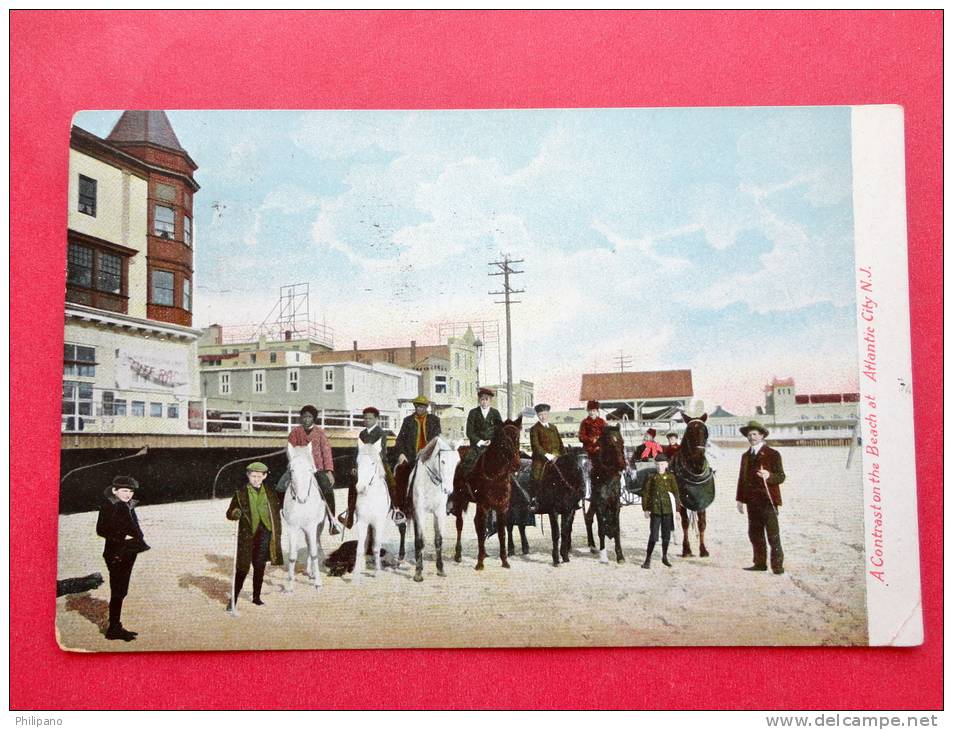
{"x": 62, "y": 62}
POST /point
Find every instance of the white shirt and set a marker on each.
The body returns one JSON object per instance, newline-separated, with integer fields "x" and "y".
{"x": 756, "y": 448}
{"x": 484, "y": 411}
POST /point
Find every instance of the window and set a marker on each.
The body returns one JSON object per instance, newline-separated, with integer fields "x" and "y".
{"x": 172, "y": 411}
{"x": 138, "y": 408}
{"x": 254, "y": 358}
{"x": 77, "y": 402}
{"x": 293, "y": 380}
{"x": 155, "y": 410}
{"x": 273, "y": 357}
{"x": 224, "y": 383}
{"x": 440, "y": 384}
{"x": 187, "y": 295}
{"x": 87, "y": 195}
{"x": 79, "y": 265}
{"x": 119, "y": 407}
{"x": 107, "y": 403}
{"x": 456, "y": 359}
{"x": 259, "y": 379}
{"x": 163, "y": 288}
{"x": 109, "y": 276}
{"x": 187, "y": 230}
{"x": 328, "y": 380}
{"x": 457, "y": 383}
{"x": 79, "y": 361}
{"x": 164, "y": 223}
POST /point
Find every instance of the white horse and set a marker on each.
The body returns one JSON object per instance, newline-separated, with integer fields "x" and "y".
{"x": 431, "y": 482}
{"x": 373, "y": 504}
{"x": 304, "y": 510}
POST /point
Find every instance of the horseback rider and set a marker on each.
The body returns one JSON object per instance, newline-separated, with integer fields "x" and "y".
{"x": 482, "y": 423}
{"x": 672, "y": 446}
{"x": 591, "y": 428}
{"x": 649, "y": 448}
{"x": 545, "y": 442}
{"x": 372, "y": 433}
{"x": 307, "y": 432}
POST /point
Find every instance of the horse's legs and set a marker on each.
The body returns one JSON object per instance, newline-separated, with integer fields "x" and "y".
{"x": 509, "y": 536}
{"x": 438, "y": 521}
{"x": 567, "y": 520}
{"x": 292, "y": 557}
{"x": 314, "y": 568}
{"x": 378, "y": 530}
{"x": 587, "y": 515}
{"x": 554, "y": 528}
{"x": 524, "y": 543}
{"x": 702, "y": 522}
{"x": 479, "y": 522}
{"x": 360, "y": 558}
{"x": 600, "y": 522}
{"x": 403, "y": 533}
{"x": 458, "y": 550}
{"x": 686, "y": 545}
{"x": 501, "y": 531}
{"x": 619, "y": 557}
{"x": 418, "y": 544}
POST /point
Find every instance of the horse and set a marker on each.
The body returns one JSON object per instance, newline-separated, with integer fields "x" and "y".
{"x": 373, "y": 502}
{"x": 696, "y": 480}
{"x": 304, "y": 509}
{"x": 607, "y": 467}
{"x": 488, "y": 485}
{"x": 430, "y": 483}
{"x": 559, "y": 493}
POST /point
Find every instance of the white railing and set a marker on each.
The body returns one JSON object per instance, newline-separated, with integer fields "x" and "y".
{"x": 272, "y": 422}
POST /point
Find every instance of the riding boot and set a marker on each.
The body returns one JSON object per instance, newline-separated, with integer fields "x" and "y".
{"x": 648, "y": 554}
{"x": 258, "y": 577}
{"x": 240, "y": 576}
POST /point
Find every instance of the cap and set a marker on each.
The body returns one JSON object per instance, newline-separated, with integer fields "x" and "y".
{"x": 257, "y": 466}
{"x": 124, "y": 482}
{"x": 371, "y": 409}
{"x": 592, "y": 405}
{"x": 540, "y": 407}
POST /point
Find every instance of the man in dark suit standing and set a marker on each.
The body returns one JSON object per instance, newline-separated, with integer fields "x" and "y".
{"x": 759, "y": 490}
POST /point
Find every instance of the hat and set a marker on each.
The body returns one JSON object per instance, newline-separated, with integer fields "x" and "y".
{"x": 124, "y": 482}
{"x": 540, "y": 407}
{"x": 613, "y": 416}
{"x": 670, "y": 434}
{"x": 309, "y": 409}
{"x": 371, "y": 409}
{"x": 592, "y": 405}
{"x": 651, "y": 432}
{"x": 257, "y": 466}
{"x": 485, "y": 391}
{"x": 661, "y": 457}
{"x": 420, "y": 401}
{"x": 754, "y": 426}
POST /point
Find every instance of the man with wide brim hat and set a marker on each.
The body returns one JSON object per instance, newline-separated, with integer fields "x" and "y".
{"x": 759, "y": 494}
{"x": 119, "y": 526}
{"x": 416, "y": 431}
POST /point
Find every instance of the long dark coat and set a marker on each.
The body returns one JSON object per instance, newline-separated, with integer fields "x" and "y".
{"x": 480, "y": 428}
{"x": 118, "y": 524}
{"x": 406, "y": 443}
{"x": 543, "y": 440}
{"x": 751, "y": 487}
{"x": 246, "y": 537}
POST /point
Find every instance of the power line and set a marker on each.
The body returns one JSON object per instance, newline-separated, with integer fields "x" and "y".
{"x": 623, "y": 361}
{"x": 506, "y": 271}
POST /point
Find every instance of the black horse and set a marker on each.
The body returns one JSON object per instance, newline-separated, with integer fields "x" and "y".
{"x": 558, "y": 494}
{"x": 696, "y": 480}
{"x": 607, "y": 467}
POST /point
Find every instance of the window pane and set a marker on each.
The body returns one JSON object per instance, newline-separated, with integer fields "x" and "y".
{"x": 163, "y": 283}
{"x": 119, "y": 408}
{"x": 187, "y": 295}
{"x": 155, "y": 410}
{"x": 187, "y": 230}
{"x": 164, "y": 222}
{"x": 109, "y": 277}
{"x": 85, "y": 391}
{"x": 85, "y": 354}
{"x": 173, "y": 410}
{"x": 108, "y": 403}
{"x": 79, "y": 265}
{"x": 87, "y": 195}
{"x": 138, "y": 408}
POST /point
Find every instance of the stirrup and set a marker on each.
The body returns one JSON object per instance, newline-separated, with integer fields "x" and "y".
{"x": 398, "y": 517}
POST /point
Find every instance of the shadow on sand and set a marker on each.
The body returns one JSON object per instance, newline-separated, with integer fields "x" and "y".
{"x": 213, "y": 588}
{"x": 95, "y": 610}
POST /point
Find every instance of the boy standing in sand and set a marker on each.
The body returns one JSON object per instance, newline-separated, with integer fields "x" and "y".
{"x": 257, "y": 510}
{"x": 659, "y": 502}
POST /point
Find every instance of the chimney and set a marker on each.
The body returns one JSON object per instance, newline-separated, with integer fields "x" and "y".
{"x": 413, "y": 352}
{"x": 215, "y": 333}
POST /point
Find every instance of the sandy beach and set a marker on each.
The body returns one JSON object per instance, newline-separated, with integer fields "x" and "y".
{"x": 179, "y": 589}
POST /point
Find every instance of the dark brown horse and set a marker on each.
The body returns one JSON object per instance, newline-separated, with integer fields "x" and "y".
{"x": 607, "y": 467}
{"x": 488, "y": 485}
{"x": 696, "y": 483}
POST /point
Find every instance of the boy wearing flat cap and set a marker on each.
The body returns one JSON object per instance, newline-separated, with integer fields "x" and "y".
{"x": 119, "y": 525}
{"x": 257, "y": 509}
{"x": 659, "y": 501}
{"x": 759, "y": 492}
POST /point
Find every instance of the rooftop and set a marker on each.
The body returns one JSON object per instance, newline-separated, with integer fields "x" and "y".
{"x": 636, "y": 385}
{"x": 145, "y": 126}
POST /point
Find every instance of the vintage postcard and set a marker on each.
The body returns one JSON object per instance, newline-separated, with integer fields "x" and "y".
{"x": 553, "y": 377}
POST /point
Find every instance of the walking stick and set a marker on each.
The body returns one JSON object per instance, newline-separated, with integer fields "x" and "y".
{"x": 232, "y": 609}
{"x": 770, "y": 498}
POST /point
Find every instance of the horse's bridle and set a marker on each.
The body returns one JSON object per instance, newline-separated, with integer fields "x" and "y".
{"x": 294, "y": 493}
{"x": 509, "y": 457}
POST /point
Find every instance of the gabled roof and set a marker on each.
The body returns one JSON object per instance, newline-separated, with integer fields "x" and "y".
{"x": 643, "y": 384}
{"x": 145, "y": 126}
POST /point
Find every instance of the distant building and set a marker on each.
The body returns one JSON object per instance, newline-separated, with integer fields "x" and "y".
{"x": 646, "y": 398}
{"x": 522, "y": 399}
{"x": 129, "y": 358}
{"x": 792, "y": 416}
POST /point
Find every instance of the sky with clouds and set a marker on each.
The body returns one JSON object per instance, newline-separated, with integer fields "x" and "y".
{"x": 719, "y": 240}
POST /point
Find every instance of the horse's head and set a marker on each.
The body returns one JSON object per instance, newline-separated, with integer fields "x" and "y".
{"x": 570, "y": 470}
{"x": 696, "y": 435}
{"x": 368, "y": 465}
{"x": 612, "y": 449}
{"x": 449, "y": 458}
{"x": 302, "y": 469}
{"x": 509, "y": 440}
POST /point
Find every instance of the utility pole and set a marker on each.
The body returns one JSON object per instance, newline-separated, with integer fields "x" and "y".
{"x": 505, "y": 271}
{"x": 623, "y": 361}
